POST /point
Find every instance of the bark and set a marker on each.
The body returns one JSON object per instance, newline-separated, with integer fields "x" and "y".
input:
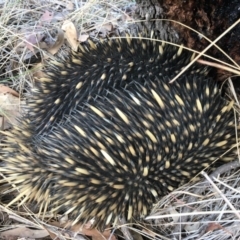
{"x": 210, "y": 18}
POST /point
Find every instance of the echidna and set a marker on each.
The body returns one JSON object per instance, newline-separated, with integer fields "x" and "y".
{"x": 106, "y": 134}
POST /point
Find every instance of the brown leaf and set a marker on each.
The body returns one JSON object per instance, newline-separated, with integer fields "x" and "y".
{"x": 30, "y": 41}
{"x": 6, "y": 89}
{"x": 213, "y": 226}
{"x": 46, "y": 17}
{"x": 24, "y": 232}
{"x": 94, "y": 233}
{"x": 9, "y": 106}
{"x": 105, "y": 29}
{"x": 33, "y": 40}
{"x": 70, "y": 34}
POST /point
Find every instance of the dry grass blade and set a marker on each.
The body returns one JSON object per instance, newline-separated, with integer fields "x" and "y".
{"x": 212, "y": 64}
{"x": 201, "y": 35}
{"x": 221, "y": 194}
{"x": 205, "y": 50}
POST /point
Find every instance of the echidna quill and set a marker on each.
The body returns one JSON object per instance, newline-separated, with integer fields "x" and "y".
{"x": 107, "y": 135}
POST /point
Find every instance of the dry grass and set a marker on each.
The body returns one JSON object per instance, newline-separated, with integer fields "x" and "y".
{"x": 204, "y": 210}
{"x": 30, "y": 32}
{"x": 28, "y": 29}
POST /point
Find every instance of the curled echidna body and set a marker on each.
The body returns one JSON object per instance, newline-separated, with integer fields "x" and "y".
{"x": 108, "y": 135}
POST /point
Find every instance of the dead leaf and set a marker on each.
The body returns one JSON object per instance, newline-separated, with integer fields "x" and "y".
{"x": 46, "y": 17}
{"x": 83, "y": 37}
{"x": 216, "y": 226}
{"x": 6, "y": 89}
{"x": 30, "y": 41}
{"x": 60, "y": 16}
{"x": 70, "y": 34}
{"x": 213, "y": 226}
{"x": 105, "y": 29}
{"x": 94, "y": 233}
{"x": 24, "y": 232}
{"x": 9, "y": 107}
{"x": 33, "y": 40}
